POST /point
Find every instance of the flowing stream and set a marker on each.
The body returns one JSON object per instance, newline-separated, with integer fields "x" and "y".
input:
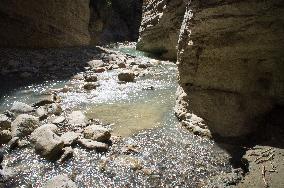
{"x": 142, "y": 114}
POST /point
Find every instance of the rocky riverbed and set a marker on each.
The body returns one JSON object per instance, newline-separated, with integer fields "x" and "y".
{"x": 99, "y": 117}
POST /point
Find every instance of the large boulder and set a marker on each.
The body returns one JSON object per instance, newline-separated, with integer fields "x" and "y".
{"x": 5, "y": 122}
{"x": 230, "y": 63}
{"x": 69, "y": 138}
{"x": 126, "y": 76}
{"x": 160, "y": 27}
{"x": 77, "y": 118}
{"x": 5, "y": 136}
{"x": 24, "y": 125}
{"x": 91, "y": 144}
{"x": 20, "y": 107}
{"x": 47, "y": 143}
{"x": 60, "y": 181}
{"x": 44, "y": 24}
{"x": 97, "y": 133}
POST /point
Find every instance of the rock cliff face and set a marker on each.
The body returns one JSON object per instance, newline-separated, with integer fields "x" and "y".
{"x": 42, "y": 23}
{"x": 63, "y": 23}
{"x": 231, "y": 63}
{"x": 160, "y": 26}
{"x": 115, "y": 21}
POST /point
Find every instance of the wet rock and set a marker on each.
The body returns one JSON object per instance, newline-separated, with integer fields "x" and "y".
{"x": 121, "y": 65}
{"x": 5, "y": 122}
{"x": 77, "y": 118}
{"x": 96, "y": 64}
{"x": 197, "y": 130}
{"x": 47, "y": 143}
{"x": 99, "y": 70}
{"x": 43, "y": 102}
{"x": 23, "y": 143}
{"x": 97, "y": 133}
{"x": 13, "y": 143}
{"x": 91, "y": 78}
{"x": 148, "y": 88}
{"x": 90, "y": 86}
{"x": 60, "y": 181}
{"x": 24, "y": 125}
{"x": 20, "y": 107}
{"x": 143, "y": 66}
{"x": 59, "y": 120}
{"x": 50, "y": 126}
{"x": 55, "y": 109}
{"x": 91, "y": 144}
{"x": 126, "y": 76}
{"x": 69, "y": 138}
{"x": 67, "y": 154}
{"x": 5, "y": 136}
{"x": 41, "y": 112}
{"x": 128, "y": 162}
{"x": 9, "y": 114}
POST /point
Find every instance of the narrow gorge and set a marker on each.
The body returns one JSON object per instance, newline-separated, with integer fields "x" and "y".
{"x": 141, "y": 93}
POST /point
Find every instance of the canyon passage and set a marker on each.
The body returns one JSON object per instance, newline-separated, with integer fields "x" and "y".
{"x": 141, "y": 93}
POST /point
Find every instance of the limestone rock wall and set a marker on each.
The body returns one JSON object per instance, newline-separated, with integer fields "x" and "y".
{"x": 44, "y": 23}
{"x": 115, "y": 21}
{"x": 161, "y": 21}
{"x": 231, "y": 63}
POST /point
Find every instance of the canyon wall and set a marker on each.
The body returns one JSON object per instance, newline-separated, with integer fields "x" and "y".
{"x": 64, "y": 23}
{"x": 230, "y": 58}
{"x": 44, "y": 23}
{"x": 115, "y": 21}
{"x": 231, "y": 63}
{"x": 159, "y": 30}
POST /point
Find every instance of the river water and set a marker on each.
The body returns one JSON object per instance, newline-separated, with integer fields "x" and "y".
{"x": 142, "y": 114}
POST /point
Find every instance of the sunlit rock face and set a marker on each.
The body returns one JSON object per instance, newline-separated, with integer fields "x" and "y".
{"x": 231, "y": 63}
{"x": 160, "y": 27}
{"x": 115, "y": 21}
{"x": 44, "y": 23}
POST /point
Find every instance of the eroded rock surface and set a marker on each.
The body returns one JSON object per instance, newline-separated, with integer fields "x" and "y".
{"x": 43, "y": 24}
{"x": 160, "y": 27}
{"x": 230, "y": 60}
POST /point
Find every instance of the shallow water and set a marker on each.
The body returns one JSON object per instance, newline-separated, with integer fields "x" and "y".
{"x": 143, "y": 117}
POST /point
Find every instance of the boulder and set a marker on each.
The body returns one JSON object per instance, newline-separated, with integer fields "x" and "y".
{"x": 59, "y": 120}
{"x": 67, "y": 154}
{"x": 24, "y": 125}
{"x": 5, "y": 136}
{"x": 47, "y": 143}
{"x": 121, "y": 65}
{"x": 77, "y": 118}
{"x": 126, "y": 76}
{"x": 43, "y": 102}
{"x": 96, "y": 64}
{"x": 41, "y": 112}
{"x": 69, "y": 138}
{"x": 91, "y": 144}
{"x": 20, "y": 107}
{"x": 55, "y": 109}
{"x": 97, "y": 133}
{"x": 5, "y": 122}
{"x": 60, "y": 181}
{"x": 99, "y": 70}
{"x": 90, "y": 78}
{"x": 90, "y": 86}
